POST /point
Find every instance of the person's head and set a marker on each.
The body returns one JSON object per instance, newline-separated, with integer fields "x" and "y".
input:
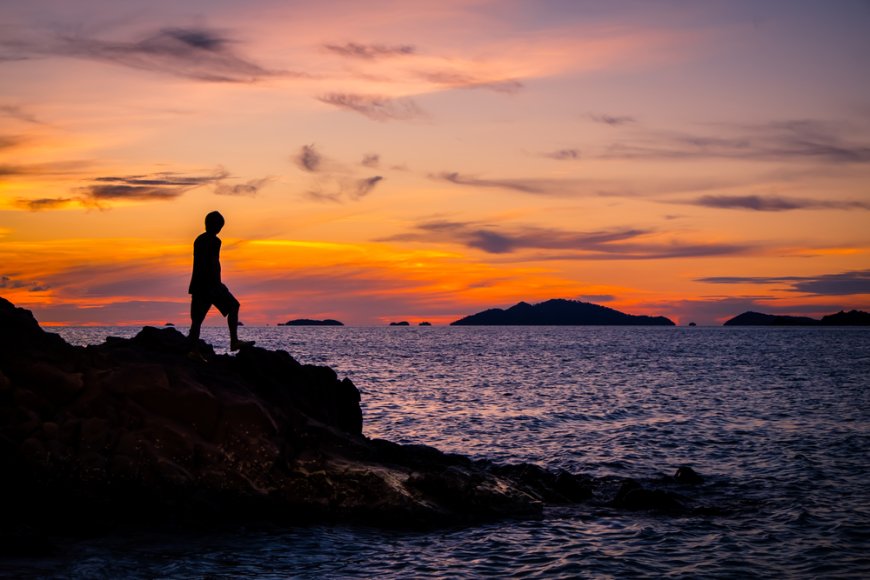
{"x": 214, "y": 222}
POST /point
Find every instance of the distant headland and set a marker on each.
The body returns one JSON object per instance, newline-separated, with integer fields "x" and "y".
{"x": 842, "y": 318}
{"x": 559, "y": 312}
{"x": 310, "y": 322}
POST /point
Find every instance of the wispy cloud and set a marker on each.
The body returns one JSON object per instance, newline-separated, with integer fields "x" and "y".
{"x": 460, "y": 80}
{"x": 18, "y": 113}
{"x": 248, "y": 188}
{"x": 334, "y": 181}
{"x": 376, "y": 107}
{"x": 612, "y": 120}
{"x": 805, "y": 140}
{"x": 532, "y": 186}
{"x": 11, "y": 283}
{"x": 616, "y": 244}
{"x": 563, "y": 154}
{"x": 843, "y": 284}
{"x": 338, "y": 189}
{"x": 308, "y": 158}
{"x": 370, "y": 51}
{"x": 773, "y": 203}
{"x": 9, "y": 142}
{"x": 365, "y": 186}
{"x": 158, "y": 186}
{"x": 45, "y": 203}
{"x": 195, "y": 53}
{"x": 60, "y": 168}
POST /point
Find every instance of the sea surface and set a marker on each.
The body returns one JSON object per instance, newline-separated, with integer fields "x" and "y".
{"x": 777, "y": 420}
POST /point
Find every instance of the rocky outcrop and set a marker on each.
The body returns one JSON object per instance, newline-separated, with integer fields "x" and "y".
{"x": 558, "y": 312}
{"x": 133, "y": 430}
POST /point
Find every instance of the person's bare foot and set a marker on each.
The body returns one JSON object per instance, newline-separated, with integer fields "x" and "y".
{"x": 239, "y": 344}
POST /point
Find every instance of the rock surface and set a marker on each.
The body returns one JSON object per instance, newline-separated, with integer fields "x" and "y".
{"x": 559, "y": 313}
{"x": 133, "y": 430}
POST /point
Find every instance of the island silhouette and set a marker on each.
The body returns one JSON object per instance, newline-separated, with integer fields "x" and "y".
{"x": 310, "y": 322}
{"x": 842, "y": 318}
{"x": 559, "y": 312}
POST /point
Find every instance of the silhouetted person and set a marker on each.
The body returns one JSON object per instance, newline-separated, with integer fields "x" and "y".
{"x": 206, "y": 288}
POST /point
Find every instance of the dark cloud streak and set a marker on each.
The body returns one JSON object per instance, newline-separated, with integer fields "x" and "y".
{"x": 10, "y": 283}
{"x": 370, "y": 51}
{"x": 160, "y": 186}
{"x": 617, "y": 244}
{"x": 531, "y": 186}
{"x": 196, "y": 53}
{"x": 44, "y": 203}
{"x": 563, "y": 155}
{"x": 777, "y": 141}
{"x": 773, "y": 203}
{"x": 612, "y": 120}
{"x": 843, "y": 284}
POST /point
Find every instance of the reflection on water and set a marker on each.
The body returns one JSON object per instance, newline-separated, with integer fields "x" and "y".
{"x": 777, "y": 419}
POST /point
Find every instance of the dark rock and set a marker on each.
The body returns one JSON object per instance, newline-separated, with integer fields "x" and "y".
{"x": 559, "y": 313}
{"x": 424, "y": 323}
{"x": 632, "y": 496}
{"x": 402, "y": 323}
{"x": 688, "y": 476}
{"x": 133, "y": 430}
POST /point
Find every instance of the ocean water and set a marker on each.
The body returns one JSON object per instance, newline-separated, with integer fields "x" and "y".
{"x": 777, "y": 420}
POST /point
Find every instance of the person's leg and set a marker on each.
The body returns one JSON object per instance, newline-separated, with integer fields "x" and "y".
{"x": 233, "y": 324}
{"x": 198, "y": 310}
{"x": 229, "y": 307}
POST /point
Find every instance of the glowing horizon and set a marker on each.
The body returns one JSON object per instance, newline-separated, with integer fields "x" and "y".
{"x": 411, "y": 161}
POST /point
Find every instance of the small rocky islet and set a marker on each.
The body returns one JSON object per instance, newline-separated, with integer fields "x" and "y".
{"x": 133, "y": 431}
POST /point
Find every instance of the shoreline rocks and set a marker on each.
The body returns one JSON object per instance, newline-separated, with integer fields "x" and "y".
{"x": 132, "y": 430}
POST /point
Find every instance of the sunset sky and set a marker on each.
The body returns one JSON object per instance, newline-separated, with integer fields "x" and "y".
{"x": 416, "y": 160}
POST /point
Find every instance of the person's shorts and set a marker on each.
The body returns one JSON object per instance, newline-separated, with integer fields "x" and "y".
{"x": 220, "y": 297}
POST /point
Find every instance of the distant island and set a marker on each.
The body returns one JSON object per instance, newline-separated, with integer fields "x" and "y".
{"x": 559, "y": 312}
{"x": 309, "y": 322}
{"x": 842, "y": 318}
{"x": 424, "y": 323}
{"x": 402, "y": 323}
